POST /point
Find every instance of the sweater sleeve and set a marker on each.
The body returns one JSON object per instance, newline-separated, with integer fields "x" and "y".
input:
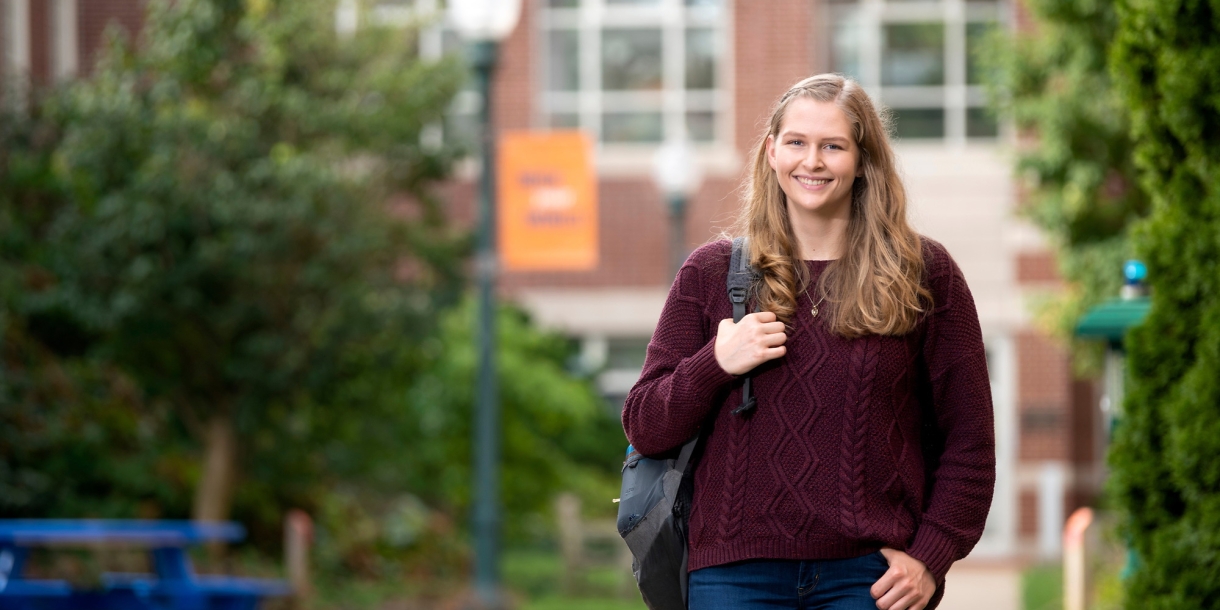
{"x": 681, "y": 377}
{"x": 964, "y": 477}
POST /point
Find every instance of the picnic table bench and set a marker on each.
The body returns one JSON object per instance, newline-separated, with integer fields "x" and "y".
{"x": 173, "y": 584}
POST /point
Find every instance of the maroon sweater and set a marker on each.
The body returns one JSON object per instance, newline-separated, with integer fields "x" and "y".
{"x": 855, "y": 444}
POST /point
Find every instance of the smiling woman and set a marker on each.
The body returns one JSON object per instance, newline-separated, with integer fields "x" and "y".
{"x": 816, "y": 162}
{"x": 867, "y": 467}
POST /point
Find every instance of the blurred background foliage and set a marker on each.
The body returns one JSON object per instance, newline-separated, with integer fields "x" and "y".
{"x": 1073, "y": 157}
{"x": 227, "y": 290}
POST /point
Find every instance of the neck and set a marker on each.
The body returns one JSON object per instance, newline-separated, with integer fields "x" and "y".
{"x": 820, "y": 237}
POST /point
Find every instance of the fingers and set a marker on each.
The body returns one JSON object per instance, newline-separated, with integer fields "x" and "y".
{"x": 741, "y": 346}
{"x": 898, "y": 598}
{"x": 909, "y": 602}
{"x": 762, "y": 316}
{"x": 883, "y": 585}
{"x": 906, "y": 585}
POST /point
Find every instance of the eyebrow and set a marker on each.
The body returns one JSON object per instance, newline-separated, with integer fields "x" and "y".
{"x": 797, "y": 134}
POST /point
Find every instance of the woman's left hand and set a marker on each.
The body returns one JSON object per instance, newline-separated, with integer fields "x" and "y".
{"x": 907, "y": 585}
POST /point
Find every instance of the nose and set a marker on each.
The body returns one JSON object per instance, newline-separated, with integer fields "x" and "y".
{"x": 813, "y": 159}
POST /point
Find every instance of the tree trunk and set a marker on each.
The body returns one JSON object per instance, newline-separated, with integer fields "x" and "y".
{"x": 215, "y": 491}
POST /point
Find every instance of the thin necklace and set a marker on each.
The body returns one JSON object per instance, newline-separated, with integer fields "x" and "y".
{"x": 814, "y": 311}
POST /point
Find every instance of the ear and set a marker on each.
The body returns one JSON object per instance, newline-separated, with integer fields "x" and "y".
{"x": 771, "y": 151}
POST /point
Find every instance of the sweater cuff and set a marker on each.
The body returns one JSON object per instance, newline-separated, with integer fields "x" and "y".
{"x": 934, "y": 550}
{"x": 703, "y": 373}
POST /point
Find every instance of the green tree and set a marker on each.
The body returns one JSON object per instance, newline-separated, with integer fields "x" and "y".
{"x": 207, "y": 217}
{"x": 1075, "y": 152}
{"x": 1165, "y": 58}
{"x": 197, "y": 257}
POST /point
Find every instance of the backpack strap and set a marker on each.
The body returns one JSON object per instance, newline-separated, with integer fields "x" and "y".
{"x": 685, "y": 454}
{"x": 741, "y": 276}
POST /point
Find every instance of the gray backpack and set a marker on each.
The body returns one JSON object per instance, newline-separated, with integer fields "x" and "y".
{"x": 657, "y": 491}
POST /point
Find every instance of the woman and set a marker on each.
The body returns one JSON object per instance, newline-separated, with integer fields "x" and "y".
{"x": 868, "y": 465}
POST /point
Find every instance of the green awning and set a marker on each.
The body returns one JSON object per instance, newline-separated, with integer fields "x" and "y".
{"x": 1111, "y": 319}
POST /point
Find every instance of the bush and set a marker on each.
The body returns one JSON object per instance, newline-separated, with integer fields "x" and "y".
{"x": 1165, "y": 59}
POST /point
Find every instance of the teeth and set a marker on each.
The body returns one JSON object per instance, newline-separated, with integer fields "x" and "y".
{"x": 812, "y": 182}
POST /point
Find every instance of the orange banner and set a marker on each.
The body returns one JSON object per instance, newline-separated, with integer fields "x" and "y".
{"x": 547, "y": 200}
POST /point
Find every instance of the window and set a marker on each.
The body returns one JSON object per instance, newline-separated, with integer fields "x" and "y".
{"x": 919, "y": 58}
{"x": 634, "y": 71}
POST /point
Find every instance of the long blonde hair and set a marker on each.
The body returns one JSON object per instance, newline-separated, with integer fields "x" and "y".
{"x": 876, "y": 287}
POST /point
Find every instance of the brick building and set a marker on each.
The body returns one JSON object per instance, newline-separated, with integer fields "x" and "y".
{"x": 636, "y": 72}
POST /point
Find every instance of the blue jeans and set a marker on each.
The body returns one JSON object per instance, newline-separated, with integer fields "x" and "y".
{"x": 840, "y": 584}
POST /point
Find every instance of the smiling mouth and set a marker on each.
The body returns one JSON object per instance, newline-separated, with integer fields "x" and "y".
{"x": 811, "y": 182}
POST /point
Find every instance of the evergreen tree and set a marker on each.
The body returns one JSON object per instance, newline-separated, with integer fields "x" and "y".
{"x": 1165, "y": 58}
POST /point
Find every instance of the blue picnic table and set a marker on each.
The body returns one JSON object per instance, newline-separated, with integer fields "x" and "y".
{"x": 173, "y": 584}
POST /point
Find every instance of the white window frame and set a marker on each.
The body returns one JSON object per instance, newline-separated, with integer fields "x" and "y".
{"x": 65, "y": 50}
{"x": 16, "y": 37}
{"x": 1000, "y": 534}
{"x": 955, "y": 97}
{"x": 673, "y": 101}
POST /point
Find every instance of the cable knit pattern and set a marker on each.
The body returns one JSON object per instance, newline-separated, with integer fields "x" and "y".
{"x": 855, "y": 425}
{"x": 855, "y": 444}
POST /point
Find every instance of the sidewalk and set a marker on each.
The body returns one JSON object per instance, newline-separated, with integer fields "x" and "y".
{"x": 971, "y": 586}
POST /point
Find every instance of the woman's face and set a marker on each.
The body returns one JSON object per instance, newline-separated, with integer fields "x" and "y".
{"x": 815, "y": 158}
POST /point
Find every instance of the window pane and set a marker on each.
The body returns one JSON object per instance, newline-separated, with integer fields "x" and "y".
{"x": 845, "y": 47}
{"x": 981, "y": 123}
{"x": 701, "y": 55}
{"x": 631, "y": 127}
{"x": 914, "y": 54}
{"x": 913, "y": 123}
{"x": 564, "y": 56}
{"x": 563, "y": 3}
{"x": 563, "y": 120}
{"x": 708, "y": 3}
{"x": 626, "y": 353}
{"x": 701, "y": 126}
{"x": 631, "y": 59}
{"x": 976, "y": 33}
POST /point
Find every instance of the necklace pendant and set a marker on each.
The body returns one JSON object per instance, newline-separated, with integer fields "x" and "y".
{"x": 814, "y": 311}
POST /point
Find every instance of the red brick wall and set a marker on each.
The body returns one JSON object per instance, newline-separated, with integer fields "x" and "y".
{"x": 1037, "y": 267}
{"x": 1027, "y": 524}
{"x": 95, "y": 16}
{"x": 40, "y": 42}
{"x": 1043, "y": 398}
{"x": 773, "y": 43}
{"x": 513, "y": 84}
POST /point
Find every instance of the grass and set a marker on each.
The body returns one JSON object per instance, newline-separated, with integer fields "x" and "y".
{"x": 1042, "y": 587}
{"x": 537, "y": 576}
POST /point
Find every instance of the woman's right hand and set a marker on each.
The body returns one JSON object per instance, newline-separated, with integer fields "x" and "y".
{"x": 741, "y": 346}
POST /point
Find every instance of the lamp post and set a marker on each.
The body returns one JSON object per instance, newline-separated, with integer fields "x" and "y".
{"x": 484, "y": 23}
{"x": 677, "y": 176}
